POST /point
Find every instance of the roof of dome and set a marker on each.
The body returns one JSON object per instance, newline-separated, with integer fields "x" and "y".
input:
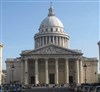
{"x": 51, "y": 20}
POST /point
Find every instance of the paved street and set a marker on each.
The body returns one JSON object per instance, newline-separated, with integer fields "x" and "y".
{"x": 47, "y": 90}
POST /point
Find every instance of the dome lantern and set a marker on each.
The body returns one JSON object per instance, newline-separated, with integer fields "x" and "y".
{"x": 51, "y": 11}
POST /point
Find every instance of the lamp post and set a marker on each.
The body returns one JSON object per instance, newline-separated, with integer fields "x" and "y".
{"x": 85, "y": 67}
{"x": 74, "y": 75}
{"x": 95, "y": 76}
{"x": 12, "y": 68}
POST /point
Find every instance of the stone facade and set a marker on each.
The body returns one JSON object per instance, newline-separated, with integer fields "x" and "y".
{"x": 52, "y": 62}
{"x": 99, "y": 53}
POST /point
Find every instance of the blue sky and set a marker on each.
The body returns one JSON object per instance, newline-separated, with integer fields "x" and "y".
{"x": 20, "y": 20}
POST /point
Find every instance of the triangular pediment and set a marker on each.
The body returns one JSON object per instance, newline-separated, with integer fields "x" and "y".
{"x": 53, "y": 49}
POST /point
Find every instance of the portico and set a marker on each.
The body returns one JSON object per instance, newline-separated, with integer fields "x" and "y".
{"x": 50, "y": 68}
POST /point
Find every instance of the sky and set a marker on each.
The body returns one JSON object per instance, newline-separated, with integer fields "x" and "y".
{"x": 20, "y": 21}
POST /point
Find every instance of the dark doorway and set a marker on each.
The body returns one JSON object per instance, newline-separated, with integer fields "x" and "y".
{"x": 70, "y": 79}
{"x": 51, "y": 78}
{"x": 32, "y": 80}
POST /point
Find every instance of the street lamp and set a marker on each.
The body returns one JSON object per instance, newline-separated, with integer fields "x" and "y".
{"x": 85, "y": 67}
{"x": 95, "y": 77}
{"x": 74, "y": 75}
{"x": 12, "y": 68}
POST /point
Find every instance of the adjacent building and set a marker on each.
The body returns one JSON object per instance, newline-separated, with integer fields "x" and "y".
{"x": 52, "y": 61}
{"x": 99, "y": 53}
{"x": 1, "y": 46}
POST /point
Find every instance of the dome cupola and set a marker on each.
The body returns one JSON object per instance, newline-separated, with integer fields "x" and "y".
{"x": 51, "y": 23}
{"x": 51, "y": 31}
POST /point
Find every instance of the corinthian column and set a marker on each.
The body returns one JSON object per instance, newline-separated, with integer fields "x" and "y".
{"x": 56, "y": 40}
{"x": 66, "y": 71}
{"x": 22, "y": 70}
{"x": 56, "y": 69}
{"x": 46, "y": 40}
{"x": 26, "y": 71}
{"x": 46, "y": 71}
{"x": 81, "y": 71}
{"x": 36, "y": 72}
{"x": 77, "y": 71}
{"x": 43, "y": 41}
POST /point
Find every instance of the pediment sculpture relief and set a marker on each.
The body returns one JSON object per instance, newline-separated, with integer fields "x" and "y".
{"x": 52, "y": 50}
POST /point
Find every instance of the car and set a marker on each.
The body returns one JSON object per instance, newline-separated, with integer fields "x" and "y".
{"x": 97, "y": 89}
{"x": 91, "y": 88}
{"x": 1, "y": 88}
{"x": 85, "y": 89}
{"x": 78, "y": 88}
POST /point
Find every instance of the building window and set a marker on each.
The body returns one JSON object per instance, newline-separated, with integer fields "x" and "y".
{"x": 51, "y": 29}
{"x": 56, "y": 29}
{"x": 46, "y": 29}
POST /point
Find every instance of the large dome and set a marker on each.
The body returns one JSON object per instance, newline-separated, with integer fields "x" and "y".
{"x": 51, "y": 21}
{"x": 51, "y": 31}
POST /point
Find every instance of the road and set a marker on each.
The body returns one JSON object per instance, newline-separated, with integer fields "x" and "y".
{"x": 47, "y": 90}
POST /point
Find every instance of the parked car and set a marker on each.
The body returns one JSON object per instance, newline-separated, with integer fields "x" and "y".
{"x": 97, "y": 89}
{"x": 91, "y": 88}
{"x": 85, "y": 89}
{"x": 78, "y": 88}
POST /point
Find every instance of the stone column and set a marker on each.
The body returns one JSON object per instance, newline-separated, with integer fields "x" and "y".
{"x": 49, "y": 39}
{"x": 40, "y": 41}
{"x": 59, "y": 41}
{"x": 36, "y": 72}
{"x": 56, "y": 72}
{"x": 77, "y": 71}
{"x": 66, "y": 70}
{"x": 46, "y": 71}
{"x": 53, "y": 39}
{"x": 46, "y": 40}
{"x": 22, "y": 72}
{"x": 26, "y": 71}
{"x": 43, "y": 41}
{"x": 56, "y": 40}
{"x": 81, "y": 71}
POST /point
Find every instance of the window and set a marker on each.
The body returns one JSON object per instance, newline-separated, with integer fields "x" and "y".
{"x": 46, "y": 29}
{"x": 51, "y": 29}
{"x": 56, "y": 29}
{"x": 51, "y": 39}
